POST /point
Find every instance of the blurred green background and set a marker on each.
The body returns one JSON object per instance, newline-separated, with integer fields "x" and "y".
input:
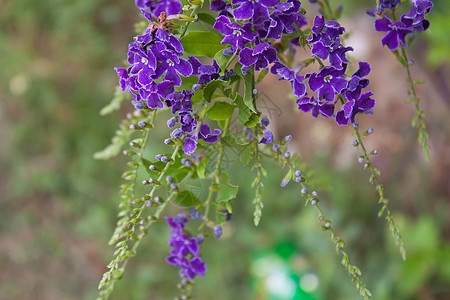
{"x": 58, "y": 204}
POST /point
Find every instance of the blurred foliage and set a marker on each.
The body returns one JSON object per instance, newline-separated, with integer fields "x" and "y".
{"x": 58, "y": 204}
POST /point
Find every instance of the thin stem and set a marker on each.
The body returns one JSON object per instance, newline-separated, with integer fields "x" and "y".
{"x": 393, "y": 227}
{"x": 155, "y": 216}
{"x": 328, "y": 6}
{"x": 216, "y": 174}
{"x": 418, "y": 120}
{"x": 185, "y": 26}
{"x": 338, "y": 242}
{"x": 123, "y": 253}
{"x": 141, "y": 153}
{"x": 230, "y": 61}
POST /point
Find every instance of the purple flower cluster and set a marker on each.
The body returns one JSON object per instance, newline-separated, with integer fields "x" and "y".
{"x": 156, "y": 68}
{"x": 262, "y": 20}
{"x": 413, "y": 21}
{"x": 170, "y": 7}
{"x": 330, "y": 83}
{"x": 185, "y": 249}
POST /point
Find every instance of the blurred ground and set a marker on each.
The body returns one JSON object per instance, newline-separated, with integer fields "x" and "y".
{"x": 58, "y": 205}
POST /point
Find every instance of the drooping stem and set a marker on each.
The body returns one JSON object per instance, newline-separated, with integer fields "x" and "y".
{"x": 326, "y": 225}
{"x": 216, "y": 174}
{"x": 419, "y": 117}
{"x": 123, "y": 252}
{"x": 393, "y": 227}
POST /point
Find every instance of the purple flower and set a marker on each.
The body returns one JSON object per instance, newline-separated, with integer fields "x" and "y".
{"x": 235, "y": 35}
{"x": 178, "y": 222}
{"x": 389, "y": 3}
{"x": 193, "y": 268}
{"x": 206, "y": 73}
{"x": 124, "y": 78}
{"x": 171, "y": 122}
{"x": 415, "y": 19}
{"x": 315, "y": 106}
{"x": 171, "y": 7}
{"x": 395, "y": 32}
{"x": 328, "y": 81}
{"x": 185, "y": 249}
{"x": 205, "y": 134}
{"x": 190, "y": 144}
{"x": 170, "y": 64}
{"x": 325, "y": 42}
{"x": 284, "y": 17}
{"x": 187, "y": 121}
{"x": 298, "y": 87}
{"x": 357, "y": 83}
{"x": 195, "y": 215}
{"x": 217, "y": 5}
{"x": 350, "y": 109}
{"x": 267, "y": 138}
{"x": 218, "y": 231}
{"x": 151, "y": 55}
{"x": 176, "y": 133}
{"x": 256, "y": 9}
{"x": 261, "y": 56}
{"x": 182, "y": 245}
{"x": 143, "y": 63}
{"x": 179, "y": 101}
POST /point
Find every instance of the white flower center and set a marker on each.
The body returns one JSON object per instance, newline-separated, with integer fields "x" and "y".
{"x": 144, "y": 60}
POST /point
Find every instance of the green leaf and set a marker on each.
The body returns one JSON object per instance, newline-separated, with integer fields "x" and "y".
{"x": 202, "y": 43}
{"x": 220, "y": 111}
{"x": 244, "y": 112}
{"x": 226, "y": 190}
{"x": 246, "y": 155}
{"x": 207, "y": 18}
{"x": 248, "y": 87}
{"x": 252, "y": 121}
{"x": 186, "y": 198}
{"x": 176, "y": 170}
{"x": 221, "y": 217}
{"x": 211, "y": 87}
{"x": 221, "y": 59}
{"x": 197, "y": 97}
{"x": 287, "y": 178}
{"x": 201, "y": 169}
